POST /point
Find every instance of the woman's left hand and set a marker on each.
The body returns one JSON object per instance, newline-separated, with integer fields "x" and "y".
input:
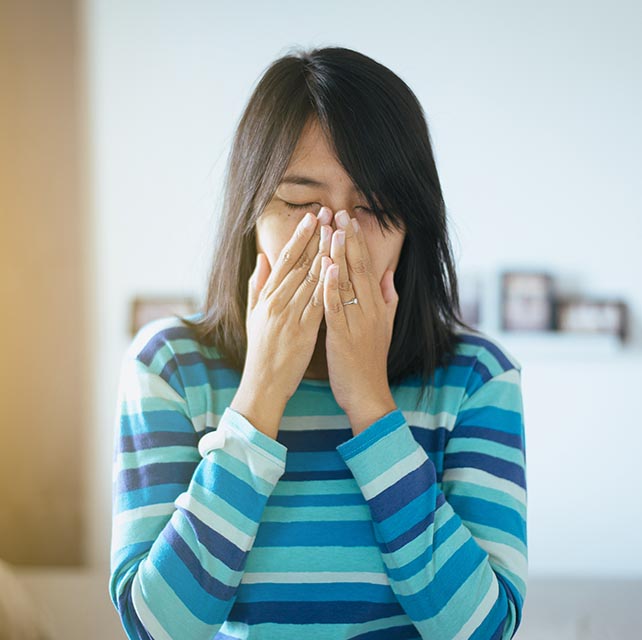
{"x": 358, "y": 335}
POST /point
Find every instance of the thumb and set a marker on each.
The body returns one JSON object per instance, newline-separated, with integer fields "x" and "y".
{"x": 258, "y": 279}
{"x": 388, "y": 291}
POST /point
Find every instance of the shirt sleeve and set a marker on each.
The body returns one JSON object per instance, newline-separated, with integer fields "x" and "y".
{"x": 456, "y": 556}
{"x": 183, "y": 520}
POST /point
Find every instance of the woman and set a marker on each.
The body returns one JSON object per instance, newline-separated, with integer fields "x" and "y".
{"x": 279, "y": 470}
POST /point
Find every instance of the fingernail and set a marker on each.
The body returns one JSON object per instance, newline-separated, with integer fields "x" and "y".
{"x": 308, "y": 221}
{"x": 355, "y": 225}
{"x": 324, "y": 233}
{"x": 343, "y": 218}
{"x": 324, "y": 215}
{"x": 341, "y": 236}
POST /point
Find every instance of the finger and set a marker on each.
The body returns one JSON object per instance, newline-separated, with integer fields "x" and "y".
{"x": 359, "y": 264}
{"x": 314, "y": 303}
{"x": 333, "y": 306}
{"x": 256, "y": 282}
{"x": 346, "y": 290}
{"x": 259, "y": 276}
{"x": 296, "y": 257}
{"x": 251, "y": 283}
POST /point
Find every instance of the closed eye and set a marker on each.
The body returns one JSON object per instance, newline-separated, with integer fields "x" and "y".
{"x": 305, "y": 205}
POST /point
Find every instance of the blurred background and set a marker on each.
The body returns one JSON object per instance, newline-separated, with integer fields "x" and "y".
{"x": 115, "y": 123}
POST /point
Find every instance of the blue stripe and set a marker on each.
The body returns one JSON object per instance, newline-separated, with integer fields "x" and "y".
{"x": 153, "y": 421}
{"x": 231, "y": 488}
{"x": 151, "y": 440}
{"x": 329, "y": 612}
{"x": 154, "y": 474}
{"x": 217, "y": 544}
{"x": 493, "y": 465}
{"x": 147, "y": 496}
{"x": 414, "y": 484}
{"x": 322, "y": 534}
{"x": 317, "y": 592}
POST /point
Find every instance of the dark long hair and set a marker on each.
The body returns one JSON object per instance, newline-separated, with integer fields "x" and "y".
{"x": 381, "y": 138}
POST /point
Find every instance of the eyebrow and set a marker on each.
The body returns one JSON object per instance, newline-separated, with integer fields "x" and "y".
{"x": 305, "y": 181}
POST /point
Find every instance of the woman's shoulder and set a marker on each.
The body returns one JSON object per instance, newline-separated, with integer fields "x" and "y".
{"x": 477, "y": 358}
{"x": 166, "y": 345}
{"x": 482, "y": 350}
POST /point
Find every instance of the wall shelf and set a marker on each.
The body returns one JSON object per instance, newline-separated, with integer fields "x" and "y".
{"x": 558, "y": 344}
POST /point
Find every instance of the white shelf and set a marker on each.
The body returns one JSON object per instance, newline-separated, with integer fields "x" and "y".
{"x": 558, "y": 344}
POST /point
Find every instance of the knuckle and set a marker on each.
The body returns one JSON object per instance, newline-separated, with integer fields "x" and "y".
{"x": 316, "y": 301}
{"x": 304, "y": 262}
{"x": 311, "y": 280}
{"x": 360, "y": 266}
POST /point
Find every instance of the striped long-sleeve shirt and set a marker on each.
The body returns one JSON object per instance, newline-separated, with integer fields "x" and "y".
{"x": 414, "y": 528}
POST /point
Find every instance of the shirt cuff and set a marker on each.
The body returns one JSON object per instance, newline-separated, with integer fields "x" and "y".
{"x": 260, "y": 442}
{"x": 372, "y": 434}
{"x": 382, "y": 454}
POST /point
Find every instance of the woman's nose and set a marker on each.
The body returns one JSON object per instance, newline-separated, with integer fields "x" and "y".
{"x": 333, "y": 221}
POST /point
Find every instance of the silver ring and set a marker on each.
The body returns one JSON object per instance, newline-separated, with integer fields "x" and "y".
{"x": 353, "y": 301}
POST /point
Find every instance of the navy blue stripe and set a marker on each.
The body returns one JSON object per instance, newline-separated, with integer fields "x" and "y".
{"x": 169, "y": 371}
{"x": 211, "y": 539}
{"x": 127, "y": 613}
{"x": 487, "y": 433}
{"x": 432, "y": 440}
{"x": 497, "y": 467}
{"x": 497, "y": 353}
{"x": 314, "y": 440}
{"x": 218, "y": 545}
{"x": 337, "y": 612}
{"x": 339, "y": 474}
{"x": 154, "y": 474}
{"x": 511, "y": 592}
{"x": 153, "y": 439}
{"x": 413, "y": 567}
{"x": 405, "y": 490}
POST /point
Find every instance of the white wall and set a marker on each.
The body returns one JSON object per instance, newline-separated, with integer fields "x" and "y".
{"x": 533, "y": 109}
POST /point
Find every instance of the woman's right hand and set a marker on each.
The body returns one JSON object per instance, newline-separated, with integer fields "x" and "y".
{"x": 285, "y": 309}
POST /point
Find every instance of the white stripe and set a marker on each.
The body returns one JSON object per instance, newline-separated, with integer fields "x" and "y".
{"x": 395, "y": 473}
{"x": 297, "y": 577}
{"x": 149, "y": 511}
{"x": 485, "y": 479}
{"x": 261, "y": 463}
{"x": 214, "y": 521}
{"x": 146, "y": 616}
{"x": 335, "y": 421}
{"x": 505, "y": 555}
{"x": 146, "y": 385}
{"x": 430, "y": 421}
{"x": 288, "y": 423}
{"x": 480, "y": 613}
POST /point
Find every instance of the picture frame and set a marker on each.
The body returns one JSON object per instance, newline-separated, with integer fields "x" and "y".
{"x": 144, "y": 309}
{"x": 593, "y": 315}
{"x": 527, "y": 301}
